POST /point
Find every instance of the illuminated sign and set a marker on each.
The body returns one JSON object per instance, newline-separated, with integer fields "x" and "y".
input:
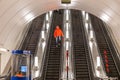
{"x": 23, "y": 68}
{"x": 65, "y": 1}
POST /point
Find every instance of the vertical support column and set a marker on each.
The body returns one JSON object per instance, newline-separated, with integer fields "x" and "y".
{"x": 67, "y": 63}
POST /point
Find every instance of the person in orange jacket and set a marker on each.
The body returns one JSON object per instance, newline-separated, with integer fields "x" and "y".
{"x": 57, "y": 35}
{"x": 19, "y": 74}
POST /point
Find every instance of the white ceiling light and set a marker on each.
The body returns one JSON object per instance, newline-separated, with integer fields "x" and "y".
{"x": 83, "y": 13}
{"x": 50, "y": 12}
{"x": 4, "y": 50}
{"x": 67, "y": 26}
{"x": 47, "y": 17}
{"x": 67, "y": 14}
{"x": 47, "y": 26}
{"x": 29, "y": 17}
{"x": 86, "y": 25}
{"x": 67, "y": 34}
{"x": 87, "y": 16}
{"x": 36, "y": 61}
{"x": 91, "y": 34}
{"x": 105, "y": 17}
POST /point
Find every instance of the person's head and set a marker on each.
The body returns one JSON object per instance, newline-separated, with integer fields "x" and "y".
{"x": 19, "y": 72}
{"x": 57, "y": 27}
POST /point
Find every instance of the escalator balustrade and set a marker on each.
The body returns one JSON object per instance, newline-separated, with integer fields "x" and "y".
{"x": 106, "y": 48}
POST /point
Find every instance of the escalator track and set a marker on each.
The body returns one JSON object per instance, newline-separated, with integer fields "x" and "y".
{"x": 80, "y": 48}
{"x": 51, "y": 69}
{"x": 31, "y": 40}
{"x": 104, "y": 43}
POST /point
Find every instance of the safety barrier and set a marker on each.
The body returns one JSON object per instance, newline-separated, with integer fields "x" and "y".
{"x": 67, "y": 67}
{"x": 106, "y": 61}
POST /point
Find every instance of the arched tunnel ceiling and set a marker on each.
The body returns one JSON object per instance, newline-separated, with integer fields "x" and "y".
{"x": 15, "y": 15}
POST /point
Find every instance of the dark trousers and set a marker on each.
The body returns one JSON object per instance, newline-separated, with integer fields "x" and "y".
{"x": 58, "y": 39}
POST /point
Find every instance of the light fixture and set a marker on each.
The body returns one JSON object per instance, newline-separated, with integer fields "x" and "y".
{"x": 67, "y": 45}
{"x": 67, "y": 26}
{"x": 4, "y": 50}
{"x": 50, "y": 12}
{"x": 29, "y": 17}
{"x": 83, "y": 13}
{"x": 65, "y": 1}
{"x": 105, "y": 17}
{"x": 47, "y": 16}
{"x": 67, "y": 34}
{"x": 36, "y": 61}
{"x": 87, "y": 16}
{"x": 43, "y": 34}
{"x": 67, "y": 14}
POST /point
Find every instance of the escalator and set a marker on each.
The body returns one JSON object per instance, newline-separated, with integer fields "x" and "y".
{"x": 82, "y": 64}
{"x": 105, "y": 44}
{"x": 31, "y": 40}
{"x": 51, "y": 69}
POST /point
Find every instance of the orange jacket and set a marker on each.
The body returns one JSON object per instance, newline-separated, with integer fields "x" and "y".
{"x": 58, "y": 32}
{"x": 19, "y": 75}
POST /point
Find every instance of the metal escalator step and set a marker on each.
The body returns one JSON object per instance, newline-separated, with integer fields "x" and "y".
{"x": 50, "y": 74}
{"x": 81, "y": 67}
{"x": 53, "y": 71}
{"x": 82, "y": 78}
{"x": 53, "y": 67}
{"x": 53, "y": 63}
{"x": 80, "y": 59}
{"x": 54, "y": 60}
{"x": 82, "y": 70}
{"x": 82, "y": 73}
{"x": 54, "y": 55}
{"x": 52, "y": 78}
{"x": 80, "y": 54}
{"x": 80, "y": 62}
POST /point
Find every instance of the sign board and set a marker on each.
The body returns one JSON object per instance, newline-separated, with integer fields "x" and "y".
{"x": 65, "y": 1}
{"x": 23, "y": 68}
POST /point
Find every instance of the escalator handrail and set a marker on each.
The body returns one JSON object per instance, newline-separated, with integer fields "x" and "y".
{"x": 71, "y": 38}
{"x": 86, "y": 42}
{"x": 91, "y": 58}
{"x": 44, "y": 53}
{"x": 98, "y": 47}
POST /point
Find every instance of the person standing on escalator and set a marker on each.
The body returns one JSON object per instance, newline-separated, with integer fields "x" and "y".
{"x": 58, "y": 34}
